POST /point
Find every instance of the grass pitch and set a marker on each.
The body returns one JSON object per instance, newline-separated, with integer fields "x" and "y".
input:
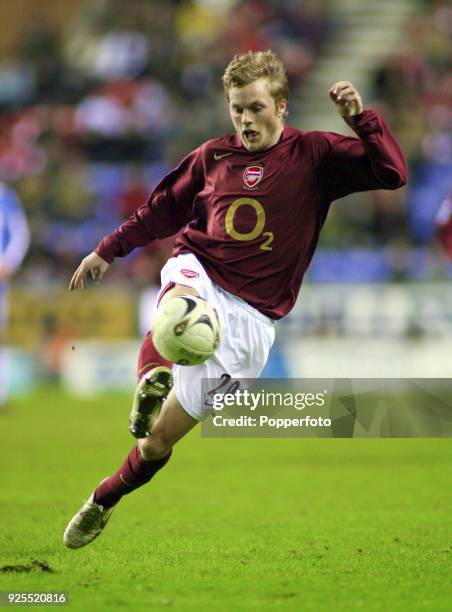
{"x": 228, "y": 524}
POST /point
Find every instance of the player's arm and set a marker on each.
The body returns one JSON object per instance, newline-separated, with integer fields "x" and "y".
{"x": 168, "y": 209}
{"x": 374, "y": 160}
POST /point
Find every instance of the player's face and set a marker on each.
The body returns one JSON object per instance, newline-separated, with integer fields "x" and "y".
{"x": 255, "y": 115}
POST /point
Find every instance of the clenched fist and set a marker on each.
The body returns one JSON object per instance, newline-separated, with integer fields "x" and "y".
{"x": 346, "y": 98}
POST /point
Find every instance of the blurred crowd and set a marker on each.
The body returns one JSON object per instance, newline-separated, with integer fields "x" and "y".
{"x": 90, "y": 121}
{"x": 415, "y": 88}
{"x": 394, "y": 232}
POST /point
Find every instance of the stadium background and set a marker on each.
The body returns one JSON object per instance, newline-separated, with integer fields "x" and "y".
{"x": 98, "y": 100}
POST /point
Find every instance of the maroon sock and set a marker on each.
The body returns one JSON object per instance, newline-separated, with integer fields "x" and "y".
{"x": 133, "y": 473}
{"x": 149, "y": 357}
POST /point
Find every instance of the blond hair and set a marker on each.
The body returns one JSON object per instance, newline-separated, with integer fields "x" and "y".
{"x": 248, "y": 67}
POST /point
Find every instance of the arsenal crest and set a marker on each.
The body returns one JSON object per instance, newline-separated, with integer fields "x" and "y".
{"x": 252, "y": 176}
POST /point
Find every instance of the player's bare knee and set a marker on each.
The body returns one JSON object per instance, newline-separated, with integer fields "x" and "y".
{"x": 154, "y": 446}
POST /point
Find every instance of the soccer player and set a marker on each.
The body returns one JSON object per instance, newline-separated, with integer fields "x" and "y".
{"x": 14, "y": 242}
{"x": 249, "y": 208}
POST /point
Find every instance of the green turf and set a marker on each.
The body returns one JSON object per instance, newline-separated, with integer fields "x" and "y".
{"x": 229, "y": 524}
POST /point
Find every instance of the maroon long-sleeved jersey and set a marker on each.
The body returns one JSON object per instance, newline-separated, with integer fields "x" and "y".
{"x": 253, "y": 218}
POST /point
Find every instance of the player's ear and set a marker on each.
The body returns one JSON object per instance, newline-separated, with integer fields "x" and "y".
{"x": 281, "y": 108}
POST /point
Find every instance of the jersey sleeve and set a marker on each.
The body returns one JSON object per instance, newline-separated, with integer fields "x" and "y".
{"x": 169, "y": 208}
{"x": 374, "y": 160}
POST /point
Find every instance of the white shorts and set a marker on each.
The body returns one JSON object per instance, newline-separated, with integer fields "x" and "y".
{"x": 247, "y": 338}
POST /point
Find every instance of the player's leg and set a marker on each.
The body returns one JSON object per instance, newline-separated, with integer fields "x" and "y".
{"x": 149, "y": 455}
{"x": 149, "y": 357}
{"x": 172, "y": 424}
{"x": 152, "y": 451}
{"x": 154, "y": 375}
{"x": 143, "y": 462}
{"x": 168, "y": 426}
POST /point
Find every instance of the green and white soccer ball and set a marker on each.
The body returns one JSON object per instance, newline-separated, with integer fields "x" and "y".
{"x": 186, "y": 330}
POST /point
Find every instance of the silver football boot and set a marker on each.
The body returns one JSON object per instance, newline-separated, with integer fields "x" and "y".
{"x": 87, "y": 524}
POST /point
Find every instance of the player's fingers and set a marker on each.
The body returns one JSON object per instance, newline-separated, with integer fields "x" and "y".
{"x": 348, "y": 91}
{"x": 348, "y": 97}
{"x": 100, "y": 273}
{"x": 341, "y": 85}
{"x": 73, "y": 283}
{"x": 80, "y": 279}
{"x": 335, "y": 89}
{"x": 97, "y": 276}
{"x": 339, "y": 92}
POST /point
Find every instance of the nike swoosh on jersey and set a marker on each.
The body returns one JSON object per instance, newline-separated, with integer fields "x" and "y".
{"x": 218, "y": 156}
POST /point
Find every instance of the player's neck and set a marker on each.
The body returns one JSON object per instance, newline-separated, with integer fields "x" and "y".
{"x": 277, "y": 137}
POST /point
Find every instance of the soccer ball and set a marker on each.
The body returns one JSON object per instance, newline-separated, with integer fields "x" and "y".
{"x": 186, "y": 330}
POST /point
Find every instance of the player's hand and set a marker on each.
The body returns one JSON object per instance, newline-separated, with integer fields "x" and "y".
{"x": 346, "y": 98}
{"x": 92, "y": 263}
